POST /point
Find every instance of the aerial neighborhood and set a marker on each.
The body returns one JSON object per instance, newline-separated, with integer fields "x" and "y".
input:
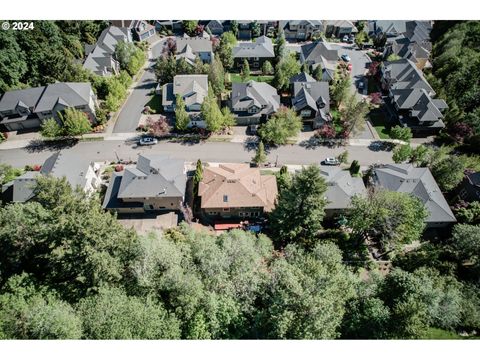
{"x": 266, "y": 146}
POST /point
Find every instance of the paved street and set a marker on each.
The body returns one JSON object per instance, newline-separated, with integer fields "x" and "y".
{"x": 208, "y": 151}
{"x": 129, "y": 116}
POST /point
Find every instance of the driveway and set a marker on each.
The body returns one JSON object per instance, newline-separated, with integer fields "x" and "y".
{"x": 140, "y": 95}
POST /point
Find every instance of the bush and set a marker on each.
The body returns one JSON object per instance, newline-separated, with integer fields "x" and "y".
{"x": 354, "y": 168}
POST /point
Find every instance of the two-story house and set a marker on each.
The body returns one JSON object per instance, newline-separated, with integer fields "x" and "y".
{"x": 320, "y": 53}
{"x": 156, "y": 183}
{"x": 236, "y": 191}
{"x": 100, "y": 57}
{"x": 412, "y": 97}
{"x": 253, "y": 102}
{"x": 27, "y": 108}
{"x": 75, "y": 168}
{"x": 339, "y": 28}
{"x": 255, "y": 52}
{"x": 189, "y": 48}
{"x": 140, "y": 29}
{"x": 300, "y": 30}
{"x": 193, "y": 89}
{"x": 311, "y": 100}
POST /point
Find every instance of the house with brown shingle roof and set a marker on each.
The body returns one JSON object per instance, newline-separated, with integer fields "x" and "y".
{"x": 236, "y": 191}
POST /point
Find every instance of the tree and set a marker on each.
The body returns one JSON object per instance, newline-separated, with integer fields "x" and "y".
{"x": 75, "y": 122}
{"x": 326, "y": 131}
{"x": 280, "y": 48}
{"x": 267, "y": 68}
{"x": 300, "y": 208}
{"x": 389, "y": 219}
{"x": 50, "y": 129}
{"x": 228, "y": 119}
{"x": 401, "y": 133}
{"x": 306, "y": 296}
{"x": 198, "y": 176}
{"x": 340, "y": 88}
{"x": 401, "y": 153}
{"x": 189, "y": 26}
{"x": 165, "y": 69}
{"x": 212, "y": 114}
{"x": 158, "y": 127}
{"x": 29, "y": 312}
{"x": 318, "y": 73}
{"x": 393, "y": 57}
{"x": 418, "y": 155}
{"x": 130, "y": 57}
{"x": 225, "y": 48}
{"x": 284, "y": 70}
{"x": 284, "y": 179}
{"x": 305, "y": 68}
{"x": 255, "y": 29}
{"x": 284, "y": 124}
{"x": 260, "y": 156}
{"x": 112, "y": 314}
{"x": 468, "y": 213}
{"x": 8, "y": 173}
{"x": 216, "y": 76}
{"x": 343, "y": 157}
{"x": 361, "y": 38}
{"x": 182, "y": 119}
{"x": 353, "y": 114}
{"x": 234, "y": 27}
{"x": 465, "y": 245}
{"x": 448, "y": 172}
{"x": 245, "y": 73}
{"x": 354, "y": 167}
{"x": 13, "y": 64}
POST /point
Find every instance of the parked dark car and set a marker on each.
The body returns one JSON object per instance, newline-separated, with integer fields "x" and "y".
{"x": 252, "y": 129}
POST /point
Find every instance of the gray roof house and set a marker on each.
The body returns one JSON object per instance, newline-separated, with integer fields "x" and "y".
{"x": 389, "y": 28}
{"x": 156, "y": 183}
{"x": 215, "y": 27}
{"x": 256, "y": 52}
{"x": 302, "y": 77}
{"x": 469, "y": 189}
{"x": 300, "y": 30}
{"x": 412, "y": 97}
{"x": 253, "y": 101}
{"x": 417, "y": 182}
{"x": 78, "y": 171}
{"x": 320, "y": 53}
{"x": 27, "y": 108}
{"x": 140, "y": 29}
{"x": 189, "y": 48}
{"x": 100, "y": 57}
{"x": 341, "y": 187}
{"x": 311, "y": 100}
{"x": 339, "y": 28}
{"x": 193, "y": 89}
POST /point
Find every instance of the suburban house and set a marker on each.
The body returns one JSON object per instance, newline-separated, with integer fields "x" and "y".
{"x": 77, "y": 170}
{"x": 414, "y": 44}
{"x": 156, "y": 183}
{"x": 172, "y": 25}
{"x": 320, "y": 53}
{"x": 411, "y": 96}
{"x": 141, "y": 30}
{"x": 193, "y": 89}
{"x": 300, "y": 30}
{"x": 341, "y": 187}
{"x": 189, "y": 48}
{"x": 339, "y": 28}
{"x": 236, "y": 191}
{"x": 311, "y": 100}
{"x": 100, "y": 57}
{"x": 256, "y": 53}
{"x": 387, "y": 28}
{"x": 253, "y": 102}
{"x": 27, "y": 108}
{"x": 469, "y": 189}
{"x": 417, "y": 182}
{"x": 215, "y": 27}
{"x": 302, "y": 77}
{"x": 245, "y": 28}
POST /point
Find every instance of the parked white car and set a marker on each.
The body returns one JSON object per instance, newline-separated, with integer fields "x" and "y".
{"x": 331, "y": 161}
{"x": 148, "y": 141}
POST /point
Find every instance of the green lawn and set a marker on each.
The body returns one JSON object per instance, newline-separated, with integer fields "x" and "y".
{"x": 236, "y": 78}
{"x": 155, "y": 103}
{"x": 378, "y": 121}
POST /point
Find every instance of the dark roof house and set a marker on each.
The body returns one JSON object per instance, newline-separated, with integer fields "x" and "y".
{"x": 157, "y": 182}
{"x": 192, "y": 88}
{"x": 300, "y": 30}
{"x": 320, "y": 53}
{"x": 261, "y": 47}
{"x": 253, "y": 101}
{"x": 189, "y": 48}
{"x": 417, "y": 182}
{"x": 311, "y": 100}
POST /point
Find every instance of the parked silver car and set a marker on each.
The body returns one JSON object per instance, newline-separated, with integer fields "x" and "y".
{"x": 148, "y": 140}
{"x": 331, "y": 161}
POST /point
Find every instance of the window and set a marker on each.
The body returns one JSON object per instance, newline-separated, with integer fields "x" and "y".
{"x": 212, "y": 213}
{"x": 225, "y": 198}
{"x": 305, "y": 113}
{"x": 226, "y": 209}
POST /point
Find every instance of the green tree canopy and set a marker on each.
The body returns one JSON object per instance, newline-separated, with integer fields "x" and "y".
{"x": 182, "y": 119}
{"x": 401, "y": 153}
{"x": 75, "y": 122}
{"x": 448, "y": 172}
{"x": 284, "y": 124}
{"x": 298, "y": 214}
{"x": 401, "y": 133}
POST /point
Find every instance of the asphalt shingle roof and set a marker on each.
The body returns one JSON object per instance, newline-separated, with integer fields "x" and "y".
{"x": 341, "y": 187}
{"x": 261, "y": 47}
{"x": 69, "y": 94}
{"x": 260, "y": 94}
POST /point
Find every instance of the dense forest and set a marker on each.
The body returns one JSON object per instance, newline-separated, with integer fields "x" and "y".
{"x": 456, "y": 77}
{"x": 69, "y": 270}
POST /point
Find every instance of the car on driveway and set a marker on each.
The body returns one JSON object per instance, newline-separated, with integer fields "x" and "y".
{"x": 345, "y": 58}
{"x": 345, "y": 38}
{"x": 331, "y": 161}
{"x": 252, "y": 129}
{"x": 360, "y": 85}
{"x": 147, "y": 140}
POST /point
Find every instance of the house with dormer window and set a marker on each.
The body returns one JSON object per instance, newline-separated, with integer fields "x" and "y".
{"x": 311, "y": 100}
{"x": 253, "y": 102}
